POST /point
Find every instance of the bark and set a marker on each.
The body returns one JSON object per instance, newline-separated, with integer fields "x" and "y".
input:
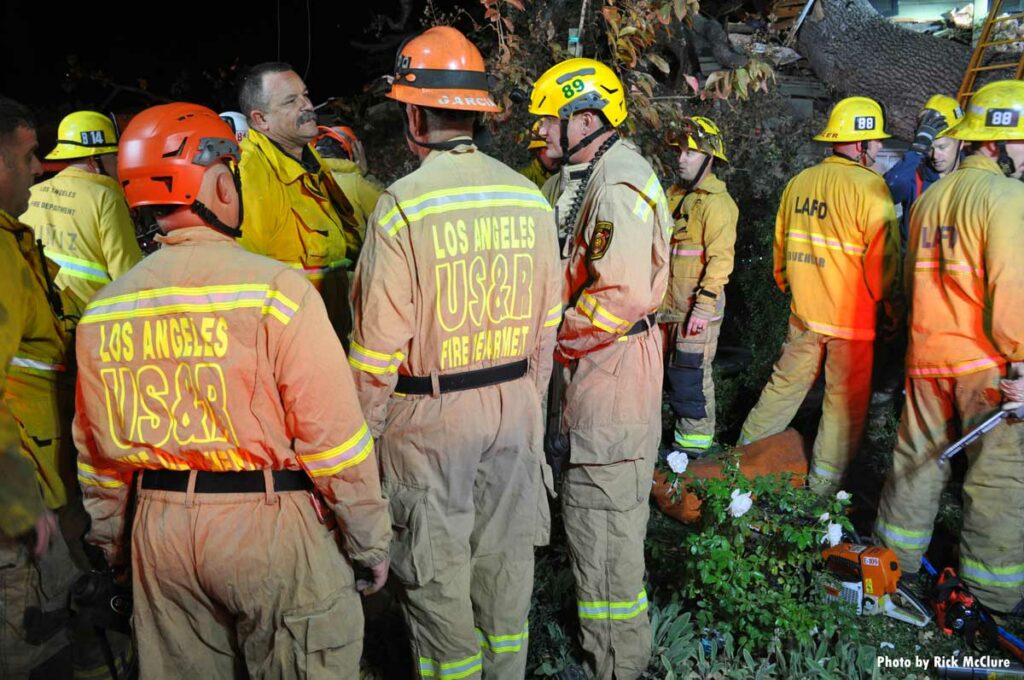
{"x": 858, "y": 52}
{"x": 718, "y": 41}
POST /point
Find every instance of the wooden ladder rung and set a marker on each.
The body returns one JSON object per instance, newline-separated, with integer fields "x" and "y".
{"x": 1008, "y": 17}
{"x": 1008, "y": 41}
{"x": 994, "y": 67}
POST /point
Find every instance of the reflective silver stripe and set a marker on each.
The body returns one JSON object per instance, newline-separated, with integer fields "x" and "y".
{"x": 24, "y": 362}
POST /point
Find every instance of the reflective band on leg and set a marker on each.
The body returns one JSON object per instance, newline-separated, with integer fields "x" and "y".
{"x": 1011, "y": 576}
{"x": 694, "y": 441}
{"x": 604, "y": 610}
{"x": 826, "y": 472}
{"x": 899, "y": 537}
{"x": 500, "y": 644}
{"x": 452, "y": 670}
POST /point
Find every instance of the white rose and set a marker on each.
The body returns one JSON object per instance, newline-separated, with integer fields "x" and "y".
{"x": 842, "y": 496}
{"x": 678, "y": 461}
{"x": 740, "y": 504}
{"x": 834, "y": 534}
{"x": 824, "y": 517}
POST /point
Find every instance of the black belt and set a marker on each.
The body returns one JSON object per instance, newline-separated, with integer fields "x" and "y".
{"x": 467, "y": 380}
{"x": 226, "y": 482}
{"x": 642, "y": 325}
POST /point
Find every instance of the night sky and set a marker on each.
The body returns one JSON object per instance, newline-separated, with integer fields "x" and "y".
{"x": 187, "y": 53}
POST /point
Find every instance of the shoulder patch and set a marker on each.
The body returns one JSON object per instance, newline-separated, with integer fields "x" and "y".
{"x": 600, "y": 241}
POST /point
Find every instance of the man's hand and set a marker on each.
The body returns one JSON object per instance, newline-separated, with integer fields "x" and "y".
{"x": 696, "y": 325}
{"x": 929, "y": 125}
{"x": 380, "y": 577}
{"x": 46, "y": 527}
{"x": 1013, "y": 390}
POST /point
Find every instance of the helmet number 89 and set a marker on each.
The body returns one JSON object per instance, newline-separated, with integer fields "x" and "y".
{"x": 1002, "y": 118}
{"x": 575, "y": 87}
{"x": 864, "y": 123}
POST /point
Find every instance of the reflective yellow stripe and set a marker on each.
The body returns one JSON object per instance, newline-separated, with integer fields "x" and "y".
{"x": 825, "y": 242}
{"x": 79, "y": 268}
{"x": 176, "y": 300}
{"x": 332, "y": 461}
{"x": 452, "y": 670}
{"x": 34, "y": 365}
{"x": 644, "y": 204}
{"x": 371, "y": 361}
{"x": 504, "y": 644}
{"x": 461, "y": 198}
{"x": 614, "y": 611}
{"x": 87, "y": 474}
{"x": 589, "y": 307}
{"x": 554, "y": 316}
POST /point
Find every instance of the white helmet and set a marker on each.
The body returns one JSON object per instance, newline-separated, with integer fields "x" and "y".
{"x": 237, "y": 123}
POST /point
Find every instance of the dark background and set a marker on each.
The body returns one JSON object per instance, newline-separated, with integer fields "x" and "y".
{"x": 107, "y": 56}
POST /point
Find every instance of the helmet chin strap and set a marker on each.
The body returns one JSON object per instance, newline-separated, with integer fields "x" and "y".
{"x": 447, "y": 145}
{"x": 206, "y": 215}
{"x": 568, "y": 152}
{"x": 861, "y": 157}
{"x": 690, "y": 184}
{"x": 1005, "y": 162}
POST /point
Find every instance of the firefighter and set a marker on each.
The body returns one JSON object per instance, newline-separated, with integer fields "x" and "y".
{"x": 965, "y": 282}
{"x": 80, "y": 214}
{"x": 36, "y": 570}
{"x": 837, "y": 252}
{"x": 457, "y": 303}
{"x": 615, "y": 219}
{"x": 211, "y": 376}
{"x": 294, "y": 211}
{"x": 931, "y": 156}
{"x": 702, "y": 248}
{"x": 343, "y": 155}
{"x": 542, "y": 165}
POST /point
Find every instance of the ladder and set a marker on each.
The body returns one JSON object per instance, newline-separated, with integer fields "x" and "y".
{"x": 977, "y": 58}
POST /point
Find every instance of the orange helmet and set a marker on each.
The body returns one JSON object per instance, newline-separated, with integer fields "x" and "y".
{"x": 440, "y": 68}
{"x": 165, "y": 151}
{"x": 335, "y": 142}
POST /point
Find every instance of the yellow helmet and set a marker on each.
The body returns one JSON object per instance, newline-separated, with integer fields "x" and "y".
{"x": 947, "y": 107}
{"x": 82, "y": 134}
{"x": 536, "y": 141}
{"x": 577, "y": 85}
{"x": 854, "y": 119}
{"x": 700, "y": 134}
{"x": 995, "y": 112}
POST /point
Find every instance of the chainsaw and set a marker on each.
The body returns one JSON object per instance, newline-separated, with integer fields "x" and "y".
{"x": 867, "y": 577}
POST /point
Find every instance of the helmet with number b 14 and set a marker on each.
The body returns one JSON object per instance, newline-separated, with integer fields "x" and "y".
{"x": 994, "y": 113}
{"x": 854, "y": 119}
{"x": 82, "y": 134}
{"x": 578, "y": 85}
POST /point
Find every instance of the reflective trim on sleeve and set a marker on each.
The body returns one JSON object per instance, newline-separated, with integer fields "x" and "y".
{"x": 554, "y": 316}
{"x": 1011, "y": 576}
{"x": 79, "y": 268}
{"x": 589, "y": 307}
{"x": 451, "y": 670}
{"x": 332, "y": 461}
{"x": 92, "y": 476}
{"x": 898, "y": 537}
{"x": 370, "y": 361}
{"x": 614, "y": 611}
{"x": 178, "y": 300}
{"x": 504, "y": 644}
{"x": 644, "y": 203}
{"x": 830, "y": 243}
{"x": 461, "y": 198}
{"x": 680, "y": 252}
{"x": 826, "y": 471}
{"x": 36, "y": 366}
{"x": 956, "y": 369}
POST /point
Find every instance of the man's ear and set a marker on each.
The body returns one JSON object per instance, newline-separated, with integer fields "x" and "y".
{"x": 225, "y": 187}
{"x": 417, "y": 121}
{"x": 258, "y": 121}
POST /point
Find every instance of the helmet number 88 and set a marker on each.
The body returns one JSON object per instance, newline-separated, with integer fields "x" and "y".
{"x": 1002, "y": 118}
{"x": 575, "y": 87}
{"x": 864, "y": 123}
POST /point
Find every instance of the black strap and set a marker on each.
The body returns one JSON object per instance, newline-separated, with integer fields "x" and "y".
{"x": 226, "y": 482}
{"x": 441, "y": 78}
{"x": 467, "y": 380}
{"x": 642, "y": 325}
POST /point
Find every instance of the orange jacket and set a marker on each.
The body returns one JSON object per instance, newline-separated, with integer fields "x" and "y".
{"x": 702, "y": 248}
{"x": 459, "y": 272}
{"x": 618, "y": 262}
{"x": 965, "y": 266}
{"x": 837, "y": 247}
{"x": 206, "y": 357}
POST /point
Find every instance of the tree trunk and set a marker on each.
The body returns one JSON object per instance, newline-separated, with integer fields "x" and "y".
{"x": 858, "y": 52}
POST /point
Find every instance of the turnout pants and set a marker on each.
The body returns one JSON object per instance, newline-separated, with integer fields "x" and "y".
{"x": 241, "y": 584}
{"x": 691, "y": 384}
{"x": 937, "y": 412}
{"x": 847, "y": 395}
{"x": 613, "y": 412}
{"x": 463, "y": 474}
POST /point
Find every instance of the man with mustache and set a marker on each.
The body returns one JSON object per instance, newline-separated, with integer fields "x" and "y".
{"x": 294, "y": 210}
